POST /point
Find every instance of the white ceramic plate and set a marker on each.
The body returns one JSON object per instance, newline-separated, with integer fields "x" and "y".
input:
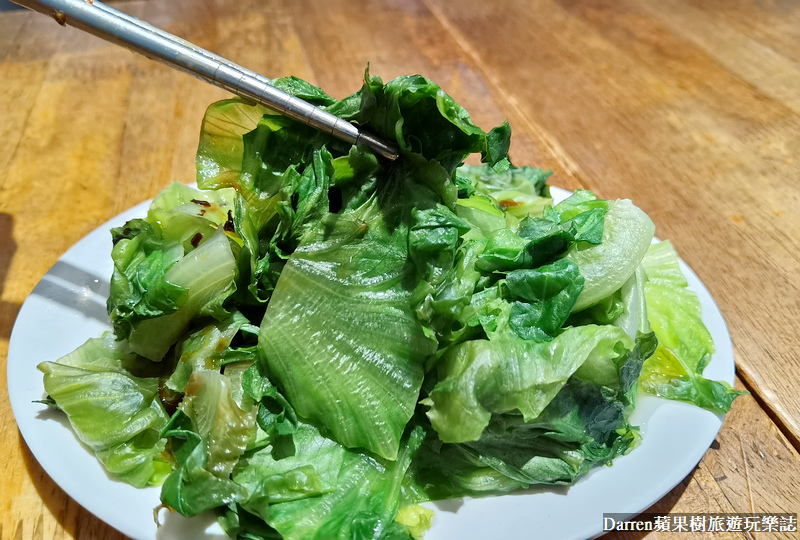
{"x": 68, "y": 306}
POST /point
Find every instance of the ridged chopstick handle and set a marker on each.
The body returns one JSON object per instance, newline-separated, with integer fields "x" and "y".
{"x": 116, "y": 27}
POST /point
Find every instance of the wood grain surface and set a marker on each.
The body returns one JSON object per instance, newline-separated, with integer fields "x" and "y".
{"x": 690, "y": 109}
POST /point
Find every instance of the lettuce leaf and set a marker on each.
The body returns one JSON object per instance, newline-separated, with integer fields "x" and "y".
{"x": 207, "y": 274}
{"x": 424, "y": 120}
{"x": 322, "y": 490}
{"x": 191, "y": 488}
{"x": 480, "y": 378}
{"x": 576, "y": 222}
{"x": 357, "y": 267}
{"x": 606, "y": 266}
{"x": 115, "y": 413}
{"x": 275, "y": 414}
{"x": 548, "y": 294}
{"x": 209, "y": 348}
{"x": 171, "y": 266}
{"x": 685, "y": 345}
{"x": 225, "y": 427}
{"x": 583, "y": 425}
{"x": 353, "y": 272}
{"x": 519, "y": 191}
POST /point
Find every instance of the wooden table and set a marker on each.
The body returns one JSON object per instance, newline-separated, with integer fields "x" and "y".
{"x": 691, "y": 111}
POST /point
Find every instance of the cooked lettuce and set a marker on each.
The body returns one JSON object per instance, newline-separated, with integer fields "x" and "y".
{"x": 210, "y": 348}
{"x": 607, "y": 265}
{"x": 685, "y": 347}
{"x": 519, "y": 191}
{"x": 227, "y": 428}
{"x": 323, "y": 490}
{"x": 111, "y": 399}
{"x": 480, "y": 378}
{"x": 352, "y": 274}
{"x": 191, "y": 488}
{"x": 358, "y": 268}
{"x": 316, "y": 340}
{"x": 173, "y": 265}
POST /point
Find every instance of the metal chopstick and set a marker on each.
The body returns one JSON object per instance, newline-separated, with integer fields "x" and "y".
{"x": 172, "y": 37}
{"x": 122, "y": 29}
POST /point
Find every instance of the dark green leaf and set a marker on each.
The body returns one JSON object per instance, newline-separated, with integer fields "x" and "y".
{"x": 548, "y": 293}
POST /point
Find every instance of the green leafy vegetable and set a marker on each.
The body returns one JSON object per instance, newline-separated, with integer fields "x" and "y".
{"x": 191, "y": 488}
{"x": 627, "y": 233}
{"x": 317, "y": 341}
{"x": 480, "y": 378}
{"x": 549, "y": 293}
{"x": 207, "y": 274}
{"x": 685, "y": 345}
{"x": 114, "y": 412}
{"x": 170, "y": 267}
{"x": 210, "y": 348}
{"x": 323, "y": 490}
{"x": 353, "y": 273}
{"x": 218, "y": 420}
{"x": 519, "y": 191}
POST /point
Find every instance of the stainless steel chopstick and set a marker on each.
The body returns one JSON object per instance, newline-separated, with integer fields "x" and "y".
{"x": 122, "y": 29}
{"x": 172, "y": 37}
